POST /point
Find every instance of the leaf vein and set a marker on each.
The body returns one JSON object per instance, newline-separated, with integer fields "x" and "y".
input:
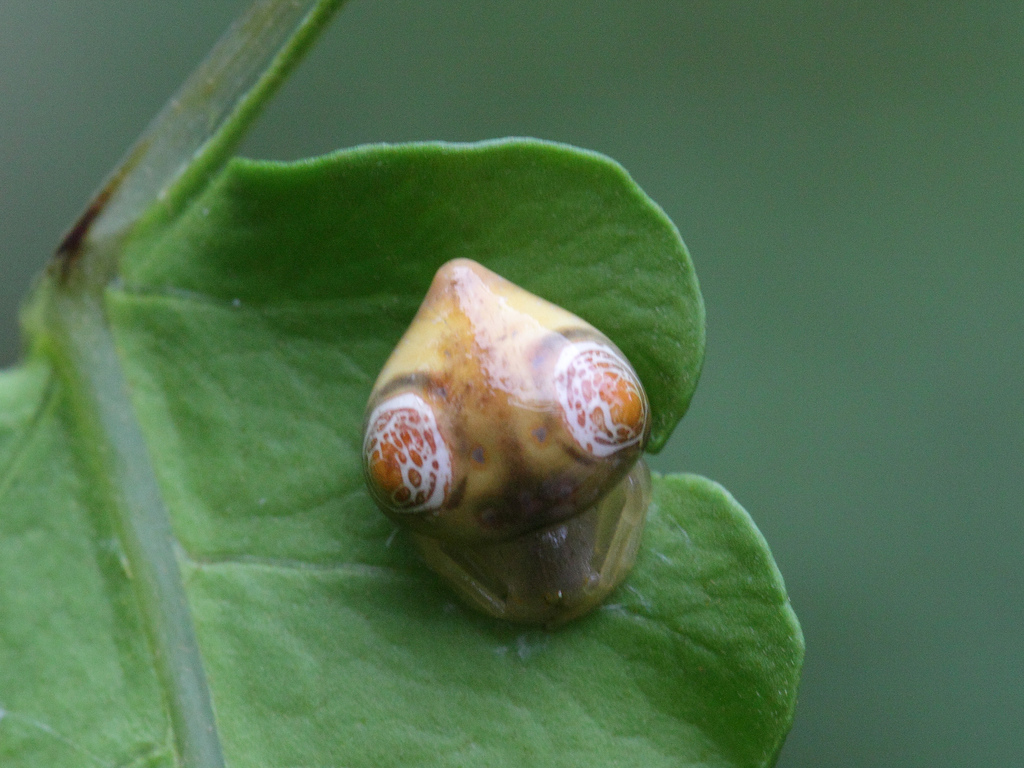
{"x": 287, "y": 564}
{"x": 10, "y": 469}
{"x": 39, "y": 725}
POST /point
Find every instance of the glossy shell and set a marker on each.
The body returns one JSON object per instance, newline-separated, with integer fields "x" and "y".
{"x": 504, "y": 432}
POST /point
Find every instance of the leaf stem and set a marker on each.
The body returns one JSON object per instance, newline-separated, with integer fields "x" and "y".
{"x": 115, "y": 448}
{"x": 172, "y": 161}
{"x": 194, "y": 134}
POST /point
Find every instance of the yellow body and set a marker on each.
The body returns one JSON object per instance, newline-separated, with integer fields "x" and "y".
{"x": 500, "y": 423}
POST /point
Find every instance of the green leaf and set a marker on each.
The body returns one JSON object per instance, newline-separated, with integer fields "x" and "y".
{"x": 366, "y": 229}
{"x": 212, "y": 395}
{"x": 194, "y": 574}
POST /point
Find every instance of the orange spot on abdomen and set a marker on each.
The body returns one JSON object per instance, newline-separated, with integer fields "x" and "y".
{"x": 623, "y": 400}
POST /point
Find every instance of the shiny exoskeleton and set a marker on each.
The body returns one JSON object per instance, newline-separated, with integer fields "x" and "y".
{"x": 506, "y": 433}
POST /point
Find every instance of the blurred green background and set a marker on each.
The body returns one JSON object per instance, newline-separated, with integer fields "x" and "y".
{"x": 850, "y": 180}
